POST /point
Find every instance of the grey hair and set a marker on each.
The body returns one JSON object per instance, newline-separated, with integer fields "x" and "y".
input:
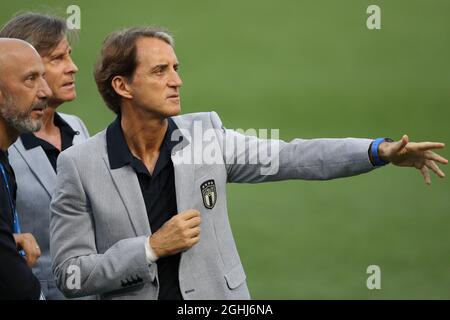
{"x": 42, "y": 31}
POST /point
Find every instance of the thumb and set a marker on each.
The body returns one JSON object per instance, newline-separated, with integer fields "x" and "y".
{"x": 401, "y": 143}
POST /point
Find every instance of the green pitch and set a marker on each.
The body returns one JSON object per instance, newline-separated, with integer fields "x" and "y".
{"x": 310, "y": 69}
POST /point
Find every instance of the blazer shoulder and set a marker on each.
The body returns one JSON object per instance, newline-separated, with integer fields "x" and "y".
{"x": 73, "y": 120}
{"x": 75, "y": 123}
{"x": 187, "y": 121}
{"x": 92, "y": 147}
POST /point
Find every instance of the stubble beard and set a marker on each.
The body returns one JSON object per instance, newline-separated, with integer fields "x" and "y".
{"x": 21, "y": 121}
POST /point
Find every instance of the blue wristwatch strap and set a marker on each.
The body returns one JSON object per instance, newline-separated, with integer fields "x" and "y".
{"x": 377, "y": 162}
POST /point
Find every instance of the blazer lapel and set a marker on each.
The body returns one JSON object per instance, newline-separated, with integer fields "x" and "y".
{"x": 184, "y": 174}
{"x": 37, "y": 161}
{"x": 127, "y": 184}
{"x": 78, "y": 138}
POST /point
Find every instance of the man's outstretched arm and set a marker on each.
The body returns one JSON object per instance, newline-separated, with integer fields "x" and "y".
{"x": 320, "y": 159}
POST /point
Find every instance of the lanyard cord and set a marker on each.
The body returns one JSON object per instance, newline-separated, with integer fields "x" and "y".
{"x": 11, "y": 202}
{"x": 15, "y": 216}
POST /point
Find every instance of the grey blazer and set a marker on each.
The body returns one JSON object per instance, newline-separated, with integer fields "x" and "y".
{"x": 36, "y": 182}
{"x": 99, "y": 223}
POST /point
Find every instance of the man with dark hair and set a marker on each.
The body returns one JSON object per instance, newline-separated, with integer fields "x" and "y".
{"x": 23, "y": 97}
{"x": 34, "y": 155}
{"x": 128, "y": 215}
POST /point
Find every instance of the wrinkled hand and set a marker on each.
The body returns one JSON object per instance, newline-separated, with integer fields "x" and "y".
{"x": 179, "y": 233}
{"x": 27, "y": 243}
{"x": 414, "y": 154}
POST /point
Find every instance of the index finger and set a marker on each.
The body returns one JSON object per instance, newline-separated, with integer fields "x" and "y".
{"x": 189, "y": 214}
{"x": 423, "y": 146}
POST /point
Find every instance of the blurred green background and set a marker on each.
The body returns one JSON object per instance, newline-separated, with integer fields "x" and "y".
{"x": 312, "y": 69}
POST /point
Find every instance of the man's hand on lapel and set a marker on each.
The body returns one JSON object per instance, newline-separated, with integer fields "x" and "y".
{"x": 180, "y": 233}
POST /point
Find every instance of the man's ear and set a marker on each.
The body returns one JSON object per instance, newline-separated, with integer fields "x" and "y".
{"x": 121, "y": 87}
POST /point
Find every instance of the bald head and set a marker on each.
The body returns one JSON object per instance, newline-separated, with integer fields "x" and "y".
{"x": 14, "y": 44}
{"x": 14, "y": 52}
{"x": 23, "y": 89}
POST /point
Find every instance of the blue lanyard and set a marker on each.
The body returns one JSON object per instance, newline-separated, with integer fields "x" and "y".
{"x": 16, "y": 225}
{"x": 11, "y": 202}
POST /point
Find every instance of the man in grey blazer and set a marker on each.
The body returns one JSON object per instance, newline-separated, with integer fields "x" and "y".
{"x": 33, "y": 156}
{"x": 140, "y": 209}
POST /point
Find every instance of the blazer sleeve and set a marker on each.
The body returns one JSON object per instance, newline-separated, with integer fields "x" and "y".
{"x": 252, "y": 159}
{"x": 78, "y": 268}
{"x": 17, "y": 281}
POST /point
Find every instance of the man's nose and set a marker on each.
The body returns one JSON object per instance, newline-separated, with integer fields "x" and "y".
{"x": 71, "y": 66}
{"x": 175, "y": 80}
{"x": 44, "y": 90}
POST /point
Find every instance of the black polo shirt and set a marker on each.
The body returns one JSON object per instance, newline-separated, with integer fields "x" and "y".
{"x": 30, "y": 141}
{"x": 10, "y": 173}
{"x": 158, "y": 191}
{"x": 5, "y": 205}
{"x": 16, "y": 278}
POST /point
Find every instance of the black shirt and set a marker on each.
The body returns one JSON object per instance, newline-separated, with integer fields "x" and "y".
{"x": 158, "y": 191}
{"x": 30, "y": 141}
{"x": 16, "y": 278}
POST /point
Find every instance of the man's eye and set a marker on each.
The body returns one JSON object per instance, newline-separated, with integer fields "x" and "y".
{"x": 58, "y": 58}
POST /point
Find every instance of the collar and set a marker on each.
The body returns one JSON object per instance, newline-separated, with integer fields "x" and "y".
{"x": 30, "y": 141}
{"x": 119, "y": 153}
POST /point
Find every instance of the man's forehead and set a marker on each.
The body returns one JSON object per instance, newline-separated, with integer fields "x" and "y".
{"x": 154, "y": 51}
{"x": 62, "y": 47}
{"x": 20, "y": 63}
{"x": 17, "y": 59}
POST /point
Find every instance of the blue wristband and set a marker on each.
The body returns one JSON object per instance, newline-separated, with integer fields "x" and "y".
{"x": 377, "y": 162}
